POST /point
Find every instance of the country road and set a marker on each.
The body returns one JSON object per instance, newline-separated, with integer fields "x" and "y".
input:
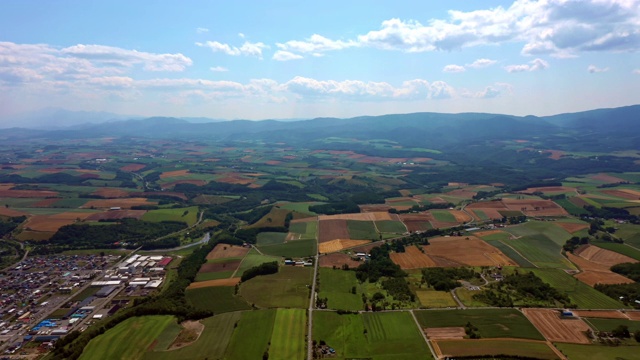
{"x": 312, "y": 299}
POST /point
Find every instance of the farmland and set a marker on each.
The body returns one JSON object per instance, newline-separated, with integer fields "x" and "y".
{"x": 226, "y": 300}
{"x": 287, "y": 339}
{"x": 530, "y": 349}
{"x": 336, "y": 286}
{"x": 287, "y": 288}
{"x": 575, "y": 351}
{"x": 254, "y": 325}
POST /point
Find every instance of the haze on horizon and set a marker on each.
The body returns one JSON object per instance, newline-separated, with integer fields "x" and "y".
{"x": 285, "y": 59}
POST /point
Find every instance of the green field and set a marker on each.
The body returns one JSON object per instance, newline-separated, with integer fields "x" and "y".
{"x": 575, "y": 351}
{"x": 390, "y": 335}
{"x": 610, "y": 324}
{"x": 581, "y": 294}
{"x": 168, "y": 335}
{"x": 335, "y": 285}
{"x": 541, "y": 251}
{"x": 307, "y": 230}
{"x": 225, "y": 300}
{"x": 254, "y": 325}
{"x": 480, "y": 214}
{"x": 547, "y": 228}
{"x": 173, "y": 215}
{"x": 127, "y": 340}
{"x": 270, "y": 238}
{"x": 510, "y": 252}
{"x": 296, "y": 248}
{"x": 253, "y": 258}
{"x": 388, "y": 226}
{"x": 212, "y": 343}
{"x": 435, "y": 299}
{"x": 286, "y": 289}
{"x": 288, "y": 337}
{"x": 362, "y": 230}
{"x": 491, "y": 323}
{"x": 532, "y": 350}
{"x": 443, "y": 215}
{"x": 496, "y": 236}
{"x": 571, "y": 208}
{"x": 630, "y": 233}
{"x": 619, "y": 248}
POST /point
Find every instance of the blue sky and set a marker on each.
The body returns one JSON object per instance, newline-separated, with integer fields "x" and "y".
{"x": 298, "y": 59}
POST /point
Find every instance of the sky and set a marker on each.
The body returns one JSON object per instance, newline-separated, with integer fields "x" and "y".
{"x": 300, "y": 59}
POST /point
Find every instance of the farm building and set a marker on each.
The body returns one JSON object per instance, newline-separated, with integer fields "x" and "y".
{"x": 164, "y": 262}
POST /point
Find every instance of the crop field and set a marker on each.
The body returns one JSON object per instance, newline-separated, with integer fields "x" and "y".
{"x": 337, "y": 260}
{"x": 225, "y": 300}
{"x": 435, "y": 299}
{"x": 54, "y": 222}
{"x": 510, "y": 252}
{"x": 584, "y": 296}
{"x": 188, "y": 215}
{"x": 541, "y": 251}
{"x": 491, "y": 323}
{"x": 275, "y": 217}
{"x": 288, "y": 337}
{"x": 306, "y": 230}
{"x": 388, "y": 226}
{"x": 380, "y": 335}
{"x": 619, "y": 248}
{"x": 412, "y": 258}
{"x": 604, "y": 314}
{"x": 575, "y": 351}
{"x": 416, "y": 222}
{"x": 553, "y": 328}
{"x": 254, "y": 325}
{"x": 443, "y": 215}
{"x": 610, "y": 324}
{"x": 253, "y": 258}
{"x": 127, "y": 340}
{"x": 593, "y": 273}
{"x": 125, "y": 203}
{"x": 117, "y": 214}
{"x": 332, "y": 230}
{"x": 336, "y": 285}
{"x": 362, "y": 230}
{"x": 465, "y": 251}
{"x": 602, "y": 256}
{"x": 297, "y": 248}
{"x": 338, "y": 245}
{"x": 546, "y": 228}
{"x": 508, "y": 347}
{"x": 270, "y": 238}
{"x": 286, "y": 289}
{"x": 571, "y": 208}
{"x": 213, "y": 283}
{"x": 630, "y": 233}
{"x": 211, "y": 344}
{"x": 206, "y": 276}
{"x": 226, "y": 251}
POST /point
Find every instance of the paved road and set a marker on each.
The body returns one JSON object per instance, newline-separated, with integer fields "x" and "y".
{"x": 205, "y": 239}
{"x": 312, "y": 301}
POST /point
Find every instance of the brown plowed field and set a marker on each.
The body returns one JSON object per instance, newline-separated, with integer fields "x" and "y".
{"x": 607, "y": 178}
{"x": 487, "y": 233}
{"x": 210, "y": 283}
{"x": 487, "y": 205}
{"x": 412, "y": 258}
{"x": 633, "y": 315}
{"x": 535, "y": 207}
{"x": 46, "y": 202}
{"x": 467, "y": 250}
{"x": 443, "y": 333}
{"x": 339, "y": 244}
{"x": 548, "y": 189}
{"x": 192, "y": 182}
{"x": 168, "y": 174}
{"x": 117, "y": 214}
{"x": 110, "y": 193}
{"x": 368, "y": 216}
{"x": 133, "y": 167}
{"x": 602, "y": 256}
{"x": 417, "y": 222}
{"x": 592, "y": 278}
{"x": 337, "y": 260}
{"x": 553, "y": 328}
{"x": 122, "y": 203}
{"x": 578, "y": 201}
{"x": 220, "y": 266}
{"x": 27, "y": 194}
{"x": 462, "y": 193}
{"x": 460, "y": 216}
{"x": 331, "y": 230}
{"x": 4, "y": 211}
{"x": 222, "y": 251}
{"x": 442, "y": 262}
{"x": 437, "y": 200}
{"x": 572, "y": 227}
{"x": 374, "y": 208}
{"x": 492, "y": 213}
{"x": 53, "y": 222}
{"x": 604, "y": 314}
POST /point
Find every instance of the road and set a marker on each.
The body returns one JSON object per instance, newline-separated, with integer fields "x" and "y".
{"x": 205, "y": 239}
{"x": 433, "y": 353}
{"x": 312, "y": 301}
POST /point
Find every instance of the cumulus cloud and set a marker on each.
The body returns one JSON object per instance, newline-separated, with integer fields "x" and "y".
{"x": 247, "y": 49}
{"x": 218, "y": 69}
{"x": 202, "y": 30}
{"x": 126, "y": 58}
{"x": 559, "y": 28}
{"x": 594, "y": 69}
{"x": 481, "y": 63}
{"x": 534, "y": 65}
{"x": 282, "y": 55}
{"x": 454, "y": 68}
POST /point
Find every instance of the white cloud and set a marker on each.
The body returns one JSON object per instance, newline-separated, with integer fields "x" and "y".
{"x": 316, "y": 44}
{"x": 247, "y": 49}
{"x": 218, "y": 69}
{"x": 481, "y": 63}
{"x": 454, "y": 69}
{"x": 202, "y": 30}
{"x": 241, "y": 35}
{"x": 282, "y": 55}
{"x": 594, "y": 69}
{"x": 126, "y": 58}
{"x": 534, "y": 65}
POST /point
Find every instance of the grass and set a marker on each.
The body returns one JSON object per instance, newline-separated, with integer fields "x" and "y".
{"x": 211, "y": 344}
{"x": 297, "y": 248}
{"x": 532, "y": 350}
{"x": 388, "y": 226}
{"x": 619, "y": 248}
{"x": 289, "y": 288}
{"x": 288, "y": 337}
{"x": 362, "y": 230}
{"x": 127, "y": 340}
{"x": 435, "y": 299}
{"x": 275, "y": 217}
{"x": 256, "y": 326}
{"x": 491, "y": 323}
{"x": 443, "y": 215}
{"x": 630, "y": 233}
{"x": 581, "y": 294}
{"x": 225, "y": 300}
{"x": 575, "y": 351}
{"x": 173, "y": 215}
{"x": 387, "y": 336}
{"x": 510, "y": 252}
{"x": 541, "y": 251}
{"x": 253, "y": 258}
{"x": 271, "y": 238}
{"x": 466, "y": 297}
{"x": 168, "y": 335}
{"x": 610, "y": 324}
{"x": 336, "y": 285}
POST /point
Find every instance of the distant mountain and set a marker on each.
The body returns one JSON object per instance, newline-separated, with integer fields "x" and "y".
{"x": 56, "y": 118}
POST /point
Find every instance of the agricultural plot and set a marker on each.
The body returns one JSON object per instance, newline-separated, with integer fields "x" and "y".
{"x": 332, "y": 230}
{"x": 298, "y": 248}
{"x": 443, "y": 215}
{"x": 575, "y": 351}
{"x": 270, "y": 238}
{"x": 288, "y": 337}
{"x": 413, "y": 258}
{"x": 610, "y": 324}
{"x": 188, "y": 215}
{"x": 362, "y": 230}
{"x": 602, "y": 256}
{"x": 336, "y": 286}
{"x": 499, "y": 348}
{"x": 338, "y": 260}
{"x": 253, "y": 258}
{"x": 584, "y": 296}
{"x": 275, "y": 217}
{"x": 571, "y": 208}
{"x": 549, "y": 323}
{"x": 540, "y": 251}
{"x": 127, "y": 340}
{"x": 212, "y": 342}
{"x": 225, "y": 299}
{"x": 623, "y": 249}
{"x": 463, "y": 251}
{"x": 387, "y": 226}
{"x": 435, "y": 299}
{"x": 630, "y": 233}
{"x": 254, "y": 325}
{"x": 286, "y": 289}
{"x": 593, "y": 273}
{"x": 547, "y": 228}
{"x": 370, "y": 335}
{"x": 417, "y": 222}
{"x": 226, "y": 251}
{"x": 510, "y": 252}
{"x": 491, "y": 323}
{"x": 124, "y": 203}
{"x": 302, "y": 230}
